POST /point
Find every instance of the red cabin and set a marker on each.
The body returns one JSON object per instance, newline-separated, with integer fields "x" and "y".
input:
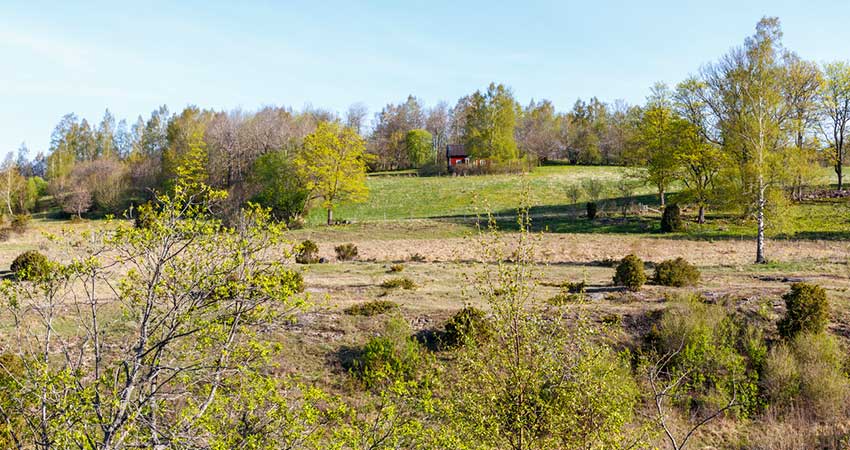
{"x": 456, "y": 154}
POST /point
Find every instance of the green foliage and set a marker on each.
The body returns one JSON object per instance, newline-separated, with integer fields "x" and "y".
{"x": 671, "y": 219}
{"x": 676, "y": 272}
{"x": 565, "y": 297}
{"x": 193, "y": 302}
{"x": 307, "y": 253}
{"x": 258, "y": 411}
{"x": 806, "y": 310}
{"x": 399, "y": 282}
{"x": 346, "y": 252}
{"x": 419, "y": 145}
{"x": 712, "y": 357}
{"x": 371, "y": 308}
{"x": 591, "y": 210}
{"x": 467, "y": 325}
{"x": 537, "y": 383}
{"x": 333, "y": 165}
{"x": 807, "y": 372}
{"x": 630, "y": 273}
{"x": 12, "y": 373}
{"x": 655, "y": 146}
{"x": 571, "y": 292}
{"x": 594, "y": 188}
{"x": 30, "y": 266}
{"x": 394, "y": 356}
{"x": 145, "y": 216}
{"x": 489, "y": 124}
{"x": 573, "y": 192}
{"x": 279, "y": 186}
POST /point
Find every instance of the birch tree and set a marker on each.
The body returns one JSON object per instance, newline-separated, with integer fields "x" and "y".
{"x": 745, "y": 97}
{"x": 835, "y": 111}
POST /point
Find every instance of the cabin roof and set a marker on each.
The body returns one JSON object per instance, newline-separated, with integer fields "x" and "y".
{"x": 456, "y": 150}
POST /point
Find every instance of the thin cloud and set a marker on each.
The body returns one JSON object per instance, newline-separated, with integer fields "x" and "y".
{"x": 57, "y": 50}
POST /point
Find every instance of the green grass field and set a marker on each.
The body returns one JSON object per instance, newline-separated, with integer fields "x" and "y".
{"x": 453, "y": 203}
{"x": 410, "y": 197}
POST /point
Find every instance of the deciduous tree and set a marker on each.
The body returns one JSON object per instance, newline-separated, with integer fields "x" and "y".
{"x": 333, "y": 163}
{"x": 420, "y": 147}
{"x": 490, "y": 122}
{"x": 835, "y": 110}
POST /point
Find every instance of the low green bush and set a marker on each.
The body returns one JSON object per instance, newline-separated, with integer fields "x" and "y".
{"x": 671, "y": 219}
{"x": 345, "y": 252}
{"x": 371, "y": 308}
{"x": 393, "y": 356}
{"x": 630, "y": 273}
{"x": 467, "y": 325}
{"x": 564, "y": 297}
{"x": 807, "y": 372}
{"x": 676, "y": 272}
{"x": 30, "y": 266}
{"x": 806, "y": 310}
{"x": 612, "y": 319}
{"x": 712, "y": 349}
{"x": 399, "y": 282}
{"x": 307, "y": 253}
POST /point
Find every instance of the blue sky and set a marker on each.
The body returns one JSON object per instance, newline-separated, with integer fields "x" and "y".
{"x": 67, "y": 56}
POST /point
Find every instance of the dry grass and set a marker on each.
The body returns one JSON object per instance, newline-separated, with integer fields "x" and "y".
{"x": 444, "y": 287}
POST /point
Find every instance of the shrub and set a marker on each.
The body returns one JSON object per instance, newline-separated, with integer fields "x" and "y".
{"x": 346, "y": 252}
{"x": 30, "y": 266}
{"x": 591, "y": 210}
{"x": 5, "y": 234}
{"x": 676, "y": 272}
{"x": 399, "y": 282}
{"x": 432, "y": 168}
{"x": 671, "y": 219}
{"x": 577, "y": 287}
{"x": 806, "y": 310}
{"x": 307, "y": 253}
{"x": 396, "y": 268}
{"x": 20, "y": 222}
{"x": 564, "y": 297}
{"x": 392, "y": 356}
{"x": 807, "y": 372}
{"x": 630, "y": 273}
{"x": 416, "y": 257}
{"x": 281, "y": 188}
{"x": 707, "y": 346}
{"x": 468, "y": 324}
{"x": 372, "y": 308}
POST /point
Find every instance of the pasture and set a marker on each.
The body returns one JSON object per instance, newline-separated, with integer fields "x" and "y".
{"x": 429, "y": 229}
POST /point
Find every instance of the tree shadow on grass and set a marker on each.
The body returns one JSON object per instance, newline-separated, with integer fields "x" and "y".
{"x": 572, "y": 219}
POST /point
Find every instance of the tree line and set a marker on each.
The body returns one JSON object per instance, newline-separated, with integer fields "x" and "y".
{"x": 753, "y": 125}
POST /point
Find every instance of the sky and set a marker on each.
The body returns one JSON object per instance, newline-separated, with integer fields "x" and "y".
{"x": 82, "y": 57}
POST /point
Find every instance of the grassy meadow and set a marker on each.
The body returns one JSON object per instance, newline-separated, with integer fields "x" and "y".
{"x": 427, "y": 228}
